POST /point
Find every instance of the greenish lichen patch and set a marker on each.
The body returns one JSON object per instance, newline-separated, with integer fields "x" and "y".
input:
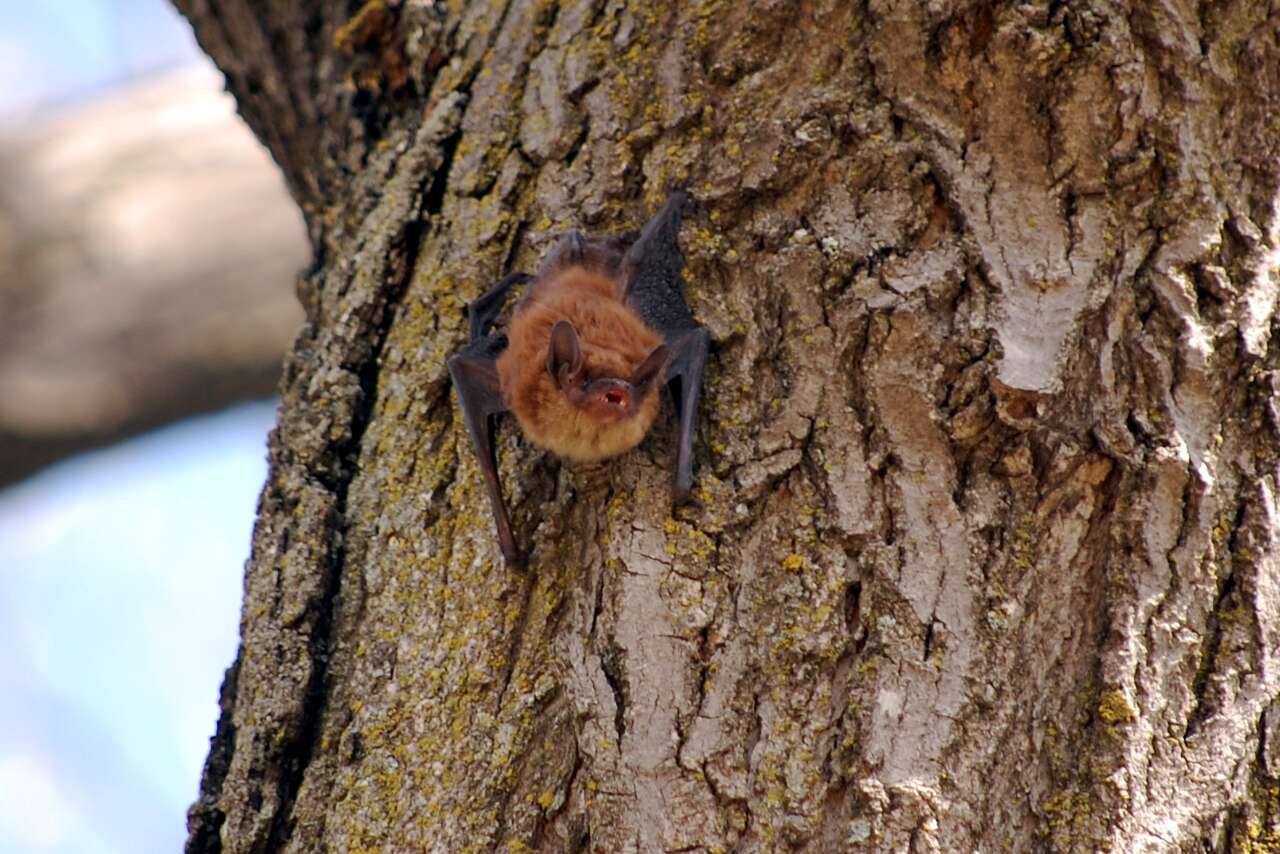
{"x": 1114, "y": 708}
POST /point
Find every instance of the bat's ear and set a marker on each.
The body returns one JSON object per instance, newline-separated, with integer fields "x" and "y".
{"x": 564, "y": 355}
{"x": 648, "y": 370}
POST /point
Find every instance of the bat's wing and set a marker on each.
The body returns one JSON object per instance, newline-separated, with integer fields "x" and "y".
{"x": 651, "y": 270}
{"x": 483, "y": 313}
{"x": 475, "y": 376}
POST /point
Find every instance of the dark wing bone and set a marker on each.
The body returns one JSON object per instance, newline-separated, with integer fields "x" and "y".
{"x": 475, "y": 376}
{"x": 651, "y": 270}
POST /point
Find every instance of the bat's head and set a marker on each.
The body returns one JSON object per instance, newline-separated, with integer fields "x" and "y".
{"x": 604, "y": 399}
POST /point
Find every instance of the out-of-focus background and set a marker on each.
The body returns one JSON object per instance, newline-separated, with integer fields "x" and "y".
{"x": 147, "y": 256}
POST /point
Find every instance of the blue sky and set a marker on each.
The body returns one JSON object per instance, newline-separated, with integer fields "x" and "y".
{"x": 120, "y": 581}
{"x": 120, "y": 571}
{"x": 63, "y": 50}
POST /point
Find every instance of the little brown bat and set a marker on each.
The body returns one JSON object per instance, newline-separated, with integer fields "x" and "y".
{"x": 601, "y": 328}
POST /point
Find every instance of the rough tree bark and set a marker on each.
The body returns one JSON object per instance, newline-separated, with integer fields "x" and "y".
{"x": 984, "y": 549}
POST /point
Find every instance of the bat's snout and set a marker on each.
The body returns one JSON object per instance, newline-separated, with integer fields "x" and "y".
{"x": 612, "y": 397}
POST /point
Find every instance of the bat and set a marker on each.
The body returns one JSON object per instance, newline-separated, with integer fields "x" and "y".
{"x": 598, "y": 331}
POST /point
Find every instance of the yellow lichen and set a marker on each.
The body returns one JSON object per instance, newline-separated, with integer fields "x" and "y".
{"x": 1114, "y": 708}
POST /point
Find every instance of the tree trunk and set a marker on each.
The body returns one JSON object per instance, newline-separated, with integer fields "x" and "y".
{"x": 983, "y": 552}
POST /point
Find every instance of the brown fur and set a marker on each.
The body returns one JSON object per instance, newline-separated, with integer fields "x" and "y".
{"x": 614, "y": 342}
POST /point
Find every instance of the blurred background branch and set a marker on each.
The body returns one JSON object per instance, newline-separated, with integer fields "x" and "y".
{"x": 147, "y": 253}
{"x": 146, "y": 245}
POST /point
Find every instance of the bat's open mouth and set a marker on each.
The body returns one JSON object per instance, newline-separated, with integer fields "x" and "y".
{"x": 617, "y": 398}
